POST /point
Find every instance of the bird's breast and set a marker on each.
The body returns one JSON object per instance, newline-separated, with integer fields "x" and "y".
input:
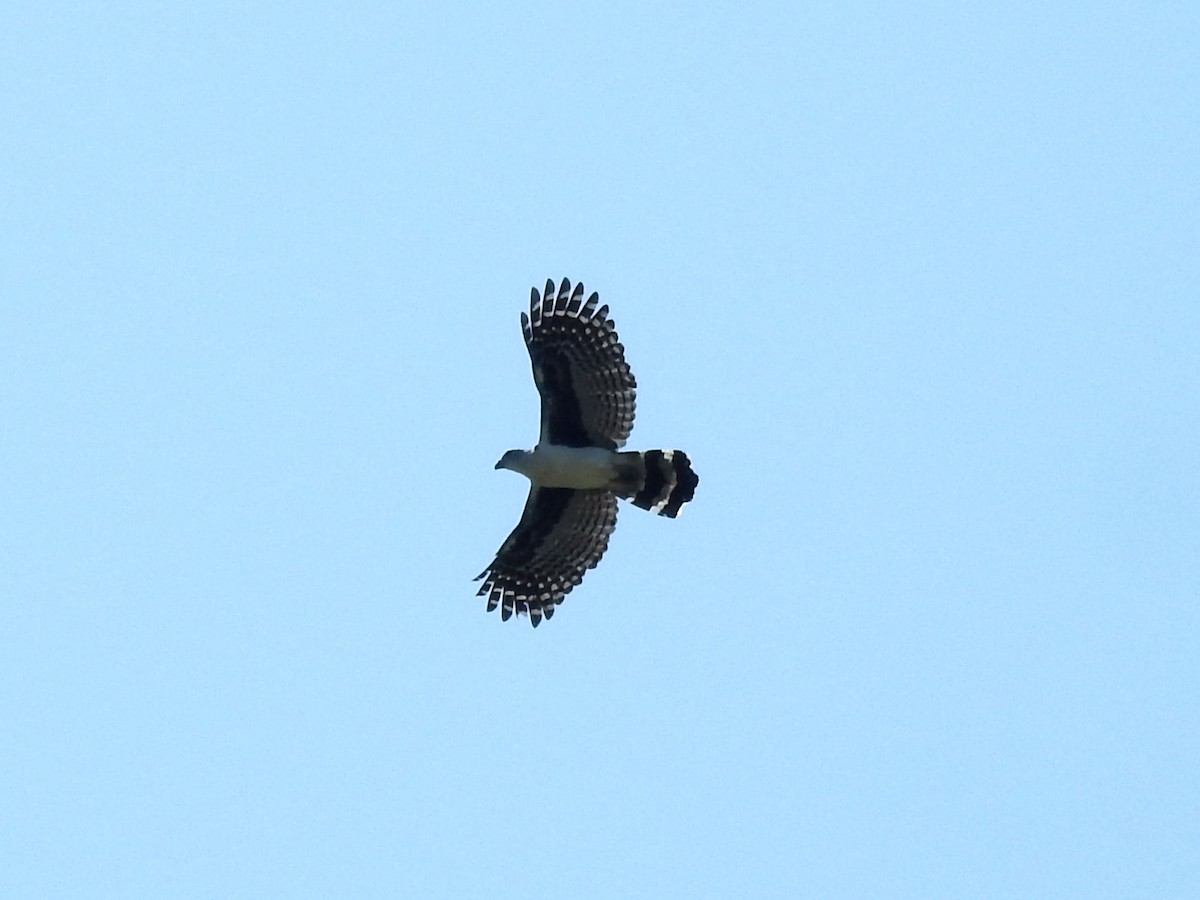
{"x": 582, "y": 468}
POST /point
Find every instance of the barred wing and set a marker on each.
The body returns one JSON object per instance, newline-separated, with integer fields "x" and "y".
{"x": 561, "y": 535}
{"x": 588, "y": 393}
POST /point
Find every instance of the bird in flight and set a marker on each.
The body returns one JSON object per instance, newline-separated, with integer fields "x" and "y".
{"x": 577, "y": 470}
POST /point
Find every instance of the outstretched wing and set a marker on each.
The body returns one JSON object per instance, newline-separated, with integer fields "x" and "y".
{"x": 561, "y": 535}
{"x": 588, "y": 392}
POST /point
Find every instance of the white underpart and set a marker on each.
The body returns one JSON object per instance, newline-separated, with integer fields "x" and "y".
{"x": 582, "y": 468}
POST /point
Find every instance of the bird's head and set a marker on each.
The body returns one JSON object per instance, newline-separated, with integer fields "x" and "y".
{"x": 512, "y": 460}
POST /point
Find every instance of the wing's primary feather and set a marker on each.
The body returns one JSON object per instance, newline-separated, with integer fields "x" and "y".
{"x": 588, "y": 392}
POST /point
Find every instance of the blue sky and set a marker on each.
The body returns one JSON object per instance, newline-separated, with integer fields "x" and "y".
{"x": 917, "y": 286}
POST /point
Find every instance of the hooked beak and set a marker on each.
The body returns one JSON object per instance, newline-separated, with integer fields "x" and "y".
{"x": 498, "y": 465}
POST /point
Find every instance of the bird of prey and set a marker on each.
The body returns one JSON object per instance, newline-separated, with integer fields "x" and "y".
{"x": 577, "y": 470}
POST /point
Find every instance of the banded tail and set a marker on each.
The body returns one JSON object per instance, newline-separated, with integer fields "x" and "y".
{"x": 658, "y": 480}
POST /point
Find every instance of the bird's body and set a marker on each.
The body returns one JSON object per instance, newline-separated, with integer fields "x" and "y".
{"x": 558, "y": 466}
{"x": 577, "y": 470}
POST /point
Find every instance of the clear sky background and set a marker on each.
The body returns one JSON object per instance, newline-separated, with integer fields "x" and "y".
{"x": 917, "y": 286}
